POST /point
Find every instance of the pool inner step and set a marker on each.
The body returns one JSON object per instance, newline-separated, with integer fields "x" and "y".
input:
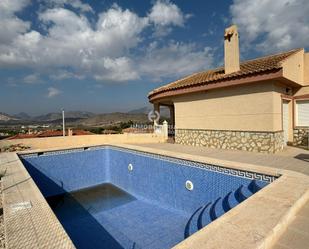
{"x": 204, "y": 215}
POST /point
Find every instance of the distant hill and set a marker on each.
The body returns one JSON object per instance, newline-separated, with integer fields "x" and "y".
{"x": 6, "y": 117}
{"x": 54, "y": 116}
{"x": 114, "y": 118}
{"x": 81, "y": 118}
{"x": 22, "y": 115}
{"x": 164, "y": 111}
{"x": 144, "y": 110}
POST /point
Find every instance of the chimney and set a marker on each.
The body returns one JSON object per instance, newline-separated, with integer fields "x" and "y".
{"x": 231, "y": 50}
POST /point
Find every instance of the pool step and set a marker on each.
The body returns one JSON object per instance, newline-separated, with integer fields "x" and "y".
{"x": 216, "y": 209}
{"x": 211, "y": 211}
{"x": 242, "y": 193}
{"x": 203, "y": 218}
{"x": 191, "y": 226}
{"x": 254, "y": 187}
{"x": 229, "y": 201}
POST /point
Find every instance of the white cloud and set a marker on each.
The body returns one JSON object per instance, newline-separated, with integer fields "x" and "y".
{"x": 32, "y": 79}
{"x": 108, "y": 50}
{"x": 165, "y": 14}
{"x": 64, "y": 74}
{"x": 119, "y": 69}
{"x": 52, "y": 92}
{"x": 8, "y": 7}
{"x": 175, "y": 60}
{"x": 77, "y": 4}
{"x": 72, "y": 42}
{"x": 119, "y": 30}
{"x": 11, "y": 26}
{"x": 272, "y": 25}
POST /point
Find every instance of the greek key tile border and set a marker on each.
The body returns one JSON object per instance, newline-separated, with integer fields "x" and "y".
{"x": 50, "y": 153}
{"x": 215, "y": 168}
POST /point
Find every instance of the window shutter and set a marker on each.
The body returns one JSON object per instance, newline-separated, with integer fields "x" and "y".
{"x": 303, "y": 113}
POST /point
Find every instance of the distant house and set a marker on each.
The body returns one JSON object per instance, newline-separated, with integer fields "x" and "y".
{"x": 256, "y": 105}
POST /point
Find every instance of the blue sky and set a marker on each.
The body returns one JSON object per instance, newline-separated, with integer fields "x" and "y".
{"x": 105, "y": 56}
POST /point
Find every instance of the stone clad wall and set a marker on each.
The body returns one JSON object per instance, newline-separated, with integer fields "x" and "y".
{"x": 268, "y": 142}
{"x": 300, "y": 136}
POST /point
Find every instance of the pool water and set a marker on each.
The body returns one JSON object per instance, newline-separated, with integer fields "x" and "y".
{"x": 110, "y": 197}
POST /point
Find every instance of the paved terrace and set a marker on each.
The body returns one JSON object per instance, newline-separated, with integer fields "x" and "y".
{"x": 297, "y": 234}
{"x": 290, "y": 158}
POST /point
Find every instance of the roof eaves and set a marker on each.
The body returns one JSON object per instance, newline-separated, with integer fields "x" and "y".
{"x": 218, "y": 82}
{"x": 232, "y": 76}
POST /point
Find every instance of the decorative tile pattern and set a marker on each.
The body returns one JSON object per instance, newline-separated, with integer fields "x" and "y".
{"x": 50, "y": 153}
{"x": 215, "y": 168}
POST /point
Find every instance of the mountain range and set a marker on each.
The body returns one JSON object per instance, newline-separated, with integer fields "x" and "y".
{"x": 22, "y": 116}
{"x": 6, "y": 117}
{"x": 80, "y": 117}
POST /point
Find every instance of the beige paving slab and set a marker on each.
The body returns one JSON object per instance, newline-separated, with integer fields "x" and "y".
{"x": 291, "y": 158}
{"x": 304, "y": 211}
{"x": 297, "y": 233}
{"x": 301, "y": 224}
{"x": 278, "y": 246}
{"x": 33, "y": 225}
{"x": 294, "y": 239}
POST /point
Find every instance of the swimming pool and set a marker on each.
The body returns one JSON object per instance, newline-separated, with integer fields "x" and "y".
{"x": 111, "y": 197}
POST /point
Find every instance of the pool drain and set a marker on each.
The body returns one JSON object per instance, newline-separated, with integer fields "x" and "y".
{"x": 130, "y": 167}
{"x": 189, "y": 185}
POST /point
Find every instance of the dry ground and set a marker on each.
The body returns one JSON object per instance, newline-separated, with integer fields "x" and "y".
{"x": 2, "y": 241}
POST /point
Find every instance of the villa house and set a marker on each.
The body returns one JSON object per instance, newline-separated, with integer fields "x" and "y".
{"x": 256, "y": 105}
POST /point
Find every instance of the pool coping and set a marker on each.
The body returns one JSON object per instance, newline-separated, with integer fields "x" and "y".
{"x": 255, "y": 223}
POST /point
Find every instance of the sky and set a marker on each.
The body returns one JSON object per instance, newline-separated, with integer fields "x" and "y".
{"x": 105, "y": 56}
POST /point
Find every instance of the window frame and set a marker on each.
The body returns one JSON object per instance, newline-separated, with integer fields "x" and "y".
{"x": 297, "y": 101}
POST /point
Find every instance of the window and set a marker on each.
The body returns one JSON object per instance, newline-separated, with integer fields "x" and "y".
{"x": 302, "y": 110}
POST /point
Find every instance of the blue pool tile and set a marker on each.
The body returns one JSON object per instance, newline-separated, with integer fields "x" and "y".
{"x": 103, "y": 204}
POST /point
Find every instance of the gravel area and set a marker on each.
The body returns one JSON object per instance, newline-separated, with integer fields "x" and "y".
{"x": 2, "y": 240}
{"x": 14, "y": 147}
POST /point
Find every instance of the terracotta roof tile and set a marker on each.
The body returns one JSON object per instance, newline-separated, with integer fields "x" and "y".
{"x": 56, "y": 133}
{"x": 250, "y": 67}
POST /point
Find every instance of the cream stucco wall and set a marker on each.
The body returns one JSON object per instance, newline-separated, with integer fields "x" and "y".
{"x": 254, "y": 107}
{"x": 293, "y": 67}
{"x": 302, "y": 91}
{"x": 87, "y": 140}
{"x": 306, "y": 69}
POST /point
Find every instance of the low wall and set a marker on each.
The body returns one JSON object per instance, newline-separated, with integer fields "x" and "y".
{"x": 300, "y": 136}
{"x": 268, "y": 142}
{"x": 86, "y": 140}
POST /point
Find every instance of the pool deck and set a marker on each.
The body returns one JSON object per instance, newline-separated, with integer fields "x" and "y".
{"x": 275, "y": 217}
{"x": 290, "y": 158}
{"x": 296, "y": 235}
